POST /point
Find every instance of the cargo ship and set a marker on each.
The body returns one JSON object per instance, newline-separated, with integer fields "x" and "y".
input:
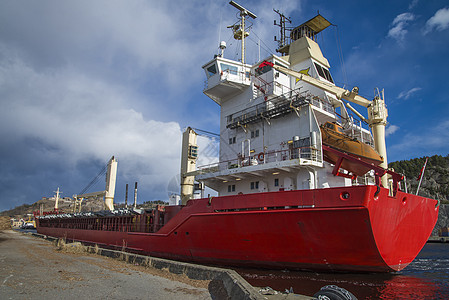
{"x": 300, "y": 183}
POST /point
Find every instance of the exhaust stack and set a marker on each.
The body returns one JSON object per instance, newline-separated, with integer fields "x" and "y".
{"x": 126, "y": 197}
{"x": 135, "y": 195}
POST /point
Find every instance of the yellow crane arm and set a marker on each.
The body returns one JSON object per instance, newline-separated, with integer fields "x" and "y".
{"x": 340, "y": 93}
{"x": 377, "y": 111}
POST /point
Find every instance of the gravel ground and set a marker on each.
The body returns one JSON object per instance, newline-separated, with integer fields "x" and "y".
{"x": 32, "y": 268}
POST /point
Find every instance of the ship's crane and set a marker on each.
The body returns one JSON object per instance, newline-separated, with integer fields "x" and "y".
{"x": 377, "y": 111}
{"x": 108, "y": 193}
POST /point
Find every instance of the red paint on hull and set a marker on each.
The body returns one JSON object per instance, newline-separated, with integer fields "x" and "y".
{"x": 305, "y": 229}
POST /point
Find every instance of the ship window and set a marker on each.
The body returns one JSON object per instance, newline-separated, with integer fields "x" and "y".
{"x": 320, "y": 70}
{"x": 267, "y": 68}
{"x": 254, "y": 185}
{"x": 193, "y": 151}
{"x": 324, "y": 73}
{"x": 263, "y": 70}
{"x": 232, "y": 140}
{"x": 276, "y": 182}
{"x": 328, "y": 75}
{"x": 229, "y": 68}
{"x": 231, "y": 188}
{"x": 255, "y": 133}
{"x": 211, "y": 70}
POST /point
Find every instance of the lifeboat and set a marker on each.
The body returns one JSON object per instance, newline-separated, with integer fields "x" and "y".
{"x": 333, "y": 136}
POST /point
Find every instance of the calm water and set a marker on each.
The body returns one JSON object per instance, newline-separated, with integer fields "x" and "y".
{"x": 427, "y": 277}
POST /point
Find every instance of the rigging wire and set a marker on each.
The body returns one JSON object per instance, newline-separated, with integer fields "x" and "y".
{"x": 93, "y": 181}
{"x": 340, "y": 55}
{"x": 258, "y": 44}
{"x": 267, "y": 48}
{"x": 207, "y": 132}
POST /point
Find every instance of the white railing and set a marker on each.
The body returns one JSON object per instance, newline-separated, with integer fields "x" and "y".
{"x": 239, "y": 76}
{"x": 307, "y": 153}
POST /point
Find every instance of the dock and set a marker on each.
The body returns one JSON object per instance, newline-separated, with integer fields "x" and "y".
{"x": 438, "y": 239}
{"x": 32, "y": 266}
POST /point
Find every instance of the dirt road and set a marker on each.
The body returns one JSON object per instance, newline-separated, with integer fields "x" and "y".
{"x": 31, "y": 268}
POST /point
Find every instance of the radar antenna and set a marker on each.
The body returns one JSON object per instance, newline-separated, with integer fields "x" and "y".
{"x": 240, "y": 32}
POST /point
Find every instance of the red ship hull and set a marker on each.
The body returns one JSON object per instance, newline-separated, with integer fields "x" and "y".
{"x": 334, "y": 229}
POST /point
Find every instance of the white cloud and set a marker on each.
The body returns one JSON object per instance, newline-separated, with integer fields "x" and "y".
{"x": 75, "y": 117}
{"x": 439, "y": 21}
{"x": 413, "y": 4}
{"x": 399, "y": 24}
{"x": 81, "y": 81}
{"x": 407, "y": 94}
{"x": 391, "y": 129}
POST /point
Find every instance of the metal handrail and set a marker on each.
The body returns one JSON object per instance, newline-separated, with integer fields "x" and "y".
{"x": 308, "y": 153}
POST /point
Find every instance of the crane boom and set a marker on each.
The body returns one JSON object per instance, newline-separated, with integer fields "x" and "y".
{"x": 377, "y": 111}
{"x": 339, "y": 92}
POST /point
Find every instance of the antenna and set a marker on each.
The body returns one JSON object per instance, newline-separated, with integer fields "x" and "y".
{"x": 282, "y": 42}
{"x": 239, "y": 30}
{"x": 222, "y": 48}
{"x": 242, "y": 9}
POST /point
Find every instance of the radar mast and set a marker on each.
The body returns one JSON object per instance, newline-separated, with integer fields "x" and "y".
{"x": 240, "y": 32}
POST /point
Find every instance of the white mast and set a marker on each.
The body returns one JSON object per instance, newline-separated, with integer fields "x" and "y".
{"x": 188, "y": 163}
{"x": 239, "y": 30}
{"x": 57, "y": 199}
{"x": 111, "y": 176}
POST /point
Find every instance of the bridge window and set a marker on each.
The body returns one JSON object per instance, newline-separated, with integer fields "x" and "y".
{"x": 324, "y": 73}
{"x": 228, "y": 68}
{"x": 211, "y": 70}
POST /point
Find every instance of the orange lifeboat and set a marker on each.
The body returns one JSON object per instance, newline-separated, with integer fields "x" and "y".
{"x": 333, "y": 136}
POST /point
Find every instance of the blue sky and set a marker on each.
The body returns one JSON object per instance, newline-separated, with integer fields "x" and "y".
{"x": 81, "y": 81}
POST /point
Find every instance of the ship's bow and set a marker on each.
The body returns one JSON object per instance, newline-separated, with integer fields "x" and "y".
{"x": 401, "y": 226}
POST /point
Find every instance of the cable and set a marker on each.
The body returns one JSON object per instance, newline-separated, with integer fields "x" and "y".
{"x": 268, "y": 49}
{"x": 257, "y": 43}
{"x": 207, "y": 132}
{"x": 93, "y": 181}
{"x": 340, "y": 54}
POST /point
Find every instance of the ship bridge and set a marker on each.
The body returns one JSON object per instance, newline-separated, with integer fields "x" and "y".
{"x": 225, "y": 78}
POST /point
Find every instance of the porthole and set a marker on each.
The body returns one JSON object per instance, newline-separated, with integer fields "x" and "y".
{"x": 344, "y": 196}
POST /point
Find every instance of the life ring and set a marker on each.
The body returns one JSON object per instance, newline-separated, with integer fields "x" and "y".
{"x": 261, "y": 156}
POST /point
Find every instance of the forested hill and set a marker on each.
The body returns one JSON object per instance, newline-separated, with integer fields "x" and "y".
{"x": 435, "y": 183}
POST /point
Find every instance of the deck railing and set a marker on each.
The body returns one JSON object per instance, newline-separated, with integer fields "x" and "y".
{"x": 277, "y": 107}
{"x": 306, "y": 153}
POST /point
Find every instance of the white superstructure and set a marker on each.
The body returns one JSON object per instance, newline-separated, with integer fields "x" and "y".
{"x": 270, "y": 138}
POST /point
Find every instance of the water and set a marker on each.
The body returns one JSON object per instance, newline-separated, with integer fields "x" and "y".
{"x": 427, "y": 277}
